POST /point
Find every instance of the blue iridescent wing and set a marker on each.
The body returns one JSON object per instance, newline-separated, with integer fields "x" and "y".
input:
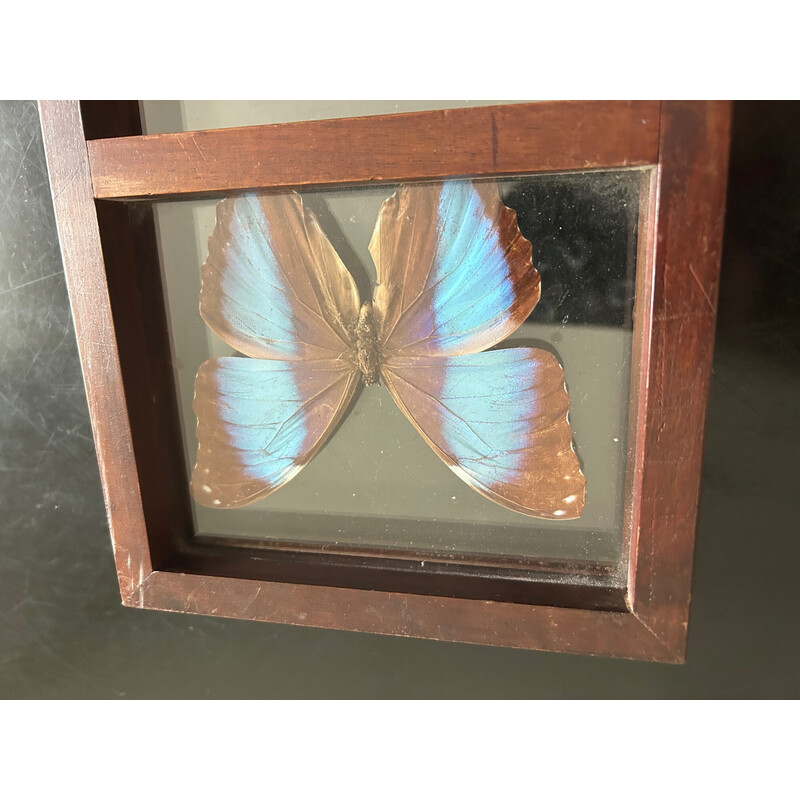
{"x": 499, "y": 420}
{"x": 455, "y": 278}
{"x": 272, "y": 285}
{"x": 273, "y": 288}
{"x": 260, "y": 421}
{"x": 454, "y": 272}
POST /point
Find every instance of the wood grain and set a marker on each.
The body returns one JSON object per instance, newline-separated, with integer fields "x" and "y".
{"x": 693, "y": 159}
{"x": 492, "y": 140}
{"x": 133, "y": 278}
{"x": 535, "y": 627}
{"x": 68, "y": 166}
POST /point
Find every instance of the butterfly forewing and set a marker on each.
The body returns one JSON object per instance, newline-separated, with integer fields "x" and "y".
{"x": 272, "y": 285}
{"x": 454, "y": 272}
{"x": 499, "y": 421}
{"x": 275, "y": 289}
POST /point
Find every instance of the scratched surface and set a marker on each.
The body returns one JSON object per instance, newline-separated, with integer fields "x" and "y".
{"x": 63, "y": 632}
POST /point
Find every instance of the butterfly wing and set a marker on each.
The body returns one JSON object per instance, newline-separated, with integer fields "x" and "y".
{"x": 274, "y": 288}
{"x": 260, "y": 421}
{"x": 456, "y": 277}
{"x": 499, "y": 421}
{"x": 454, "y": 272}
{"x": 272, "y": 285}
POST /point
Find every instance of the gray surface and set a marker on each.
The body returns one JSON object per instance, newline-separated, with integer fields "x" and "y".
{"x": 63, "y": 632}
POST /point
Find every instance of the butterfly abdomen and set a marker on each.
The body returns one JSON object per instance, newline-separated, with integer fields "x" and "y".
{"x": 367, "y": 347}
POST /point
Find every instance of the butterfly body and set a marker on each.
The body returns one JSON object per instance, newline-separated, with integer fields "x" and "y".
{"x": 368, "y": 349}
{"x": 455, "y": 278}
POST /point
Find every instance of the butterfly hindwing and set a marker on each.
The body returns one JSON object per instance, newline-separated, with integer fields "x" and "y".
{"x": 260, "y": 421}
{"x": 499, "y": 420}
{"x": 272, "y": 285}
{"x": 454, "y": 272}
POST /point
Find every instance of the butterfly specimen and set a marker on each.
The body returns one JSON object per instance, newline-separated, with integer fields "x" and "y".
{"x": 454, "y": 278}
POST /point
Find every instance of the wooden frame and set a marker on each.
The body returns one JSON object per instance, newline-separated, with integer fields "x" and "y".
{"x": 97, "y": 156}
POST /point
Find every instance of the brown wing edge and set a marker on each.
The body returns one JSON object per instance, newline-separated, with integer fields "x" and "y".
{"x": 524, "y": 275}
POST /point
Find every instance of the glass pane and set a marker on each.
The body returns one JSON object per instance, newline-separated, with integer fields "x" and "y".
{"x": 171, "y": 116}
{"x": 376, "y": 482}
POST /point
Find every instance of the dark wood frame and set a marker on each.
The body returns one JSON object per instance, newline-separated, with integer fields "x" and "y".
{"x": 97, "y": 156}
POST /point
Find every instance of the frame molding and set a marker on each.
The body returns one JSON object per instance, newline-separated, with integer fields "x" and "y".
{"x": 492, "y": 140}
{"x": 158, "y": 565}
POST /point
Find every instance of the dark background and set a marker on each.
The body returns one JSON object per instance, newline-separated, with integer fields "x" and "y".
{"x": 63, "y": 632}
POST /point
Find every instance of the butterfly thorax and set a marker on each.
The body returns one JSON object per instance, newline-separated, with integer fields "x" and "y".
{"x": 367, "y": 348}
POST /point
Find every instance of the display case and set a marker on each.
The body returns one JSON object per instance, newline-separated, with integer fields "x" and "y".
{"x": 524, "y": 472}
